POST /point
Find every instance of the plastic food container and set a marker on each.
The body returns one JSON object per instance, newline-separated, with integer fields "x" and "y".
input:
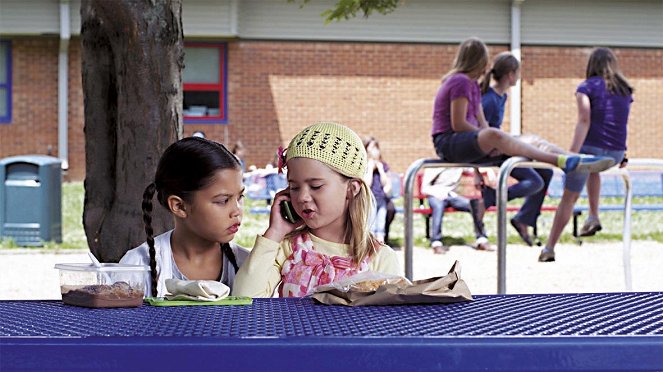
{"x": 109, "y": 285}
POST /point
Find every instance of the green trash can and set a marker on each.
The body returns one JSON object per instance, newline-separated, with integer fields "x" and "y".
{"x": 31, "y": 199}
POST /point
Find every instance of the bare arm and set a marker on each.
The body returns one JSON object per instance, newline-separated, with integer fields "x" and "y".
{"x": 584, "y": 113}
{"x": 458, "y": 115}
{"x": 481, "y": 118}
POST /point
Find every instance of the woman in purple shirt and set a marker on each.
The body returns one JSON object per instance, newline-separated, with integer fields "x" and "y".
{"x": 604, "y": 101}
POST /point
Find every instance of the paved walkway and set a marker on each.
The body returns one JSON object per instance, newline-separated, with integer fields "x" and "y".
{"x": 29, "y": 273}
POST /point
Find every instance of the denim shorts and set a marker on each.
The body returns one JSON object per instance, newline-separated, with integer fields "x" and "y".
{"x": 575, "y": 181}
{"x": 463, "y": 147}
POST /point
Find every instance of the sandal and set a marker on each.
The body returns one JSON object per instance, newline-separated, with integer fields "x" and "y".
{"x": 547, "y": 256}
{"x": 590, "y": 227}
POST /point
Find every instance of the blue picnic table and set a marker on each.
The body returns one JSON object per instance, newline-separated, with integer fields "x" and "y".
{"x": 600, "y": 332}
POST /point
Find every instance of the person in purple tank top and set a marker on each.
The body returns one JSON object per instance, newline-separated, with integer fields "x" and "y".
{"x": 604, "y": 101}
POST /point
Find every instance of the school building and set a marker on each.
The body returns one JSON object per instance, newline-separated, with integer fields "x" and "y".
{"x": 259, "y": 71}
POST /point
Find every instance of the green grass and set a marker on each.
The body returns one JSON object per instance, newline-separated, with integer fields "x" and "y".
{"x": 73, "y": 236}
{"x": 457, "y": 228}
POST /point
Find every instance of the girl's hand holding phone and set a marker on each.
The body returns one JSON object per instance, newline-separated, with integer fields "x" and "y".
{"x": 279, "y": 226}
{"x": 288, "y": 212}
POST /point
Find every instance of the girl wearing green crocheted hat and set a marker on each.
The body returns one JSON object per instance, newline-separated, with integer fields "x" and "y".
{"x": 325, "y": 166}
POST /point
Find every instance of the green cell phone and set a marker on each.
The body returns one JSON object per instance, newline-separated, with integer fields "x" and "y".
{"x": 288, "y": 212}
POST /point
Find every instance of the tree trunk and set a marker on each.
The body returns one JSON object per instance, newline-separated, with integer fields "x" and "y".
{"x": 132, "y": 59}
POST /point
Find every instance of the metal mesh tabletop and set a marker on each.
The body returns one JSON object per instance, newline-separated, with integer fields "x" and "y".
{"x": 576, "y": 323}
{"x": 632, "y": 314}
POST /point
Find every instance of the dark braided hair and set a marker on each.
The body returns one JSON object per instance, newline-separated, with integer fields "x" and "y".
{"x": 148, "y": 194}
{"x": 228, "y": 252}
{"x": 186, "y": 166}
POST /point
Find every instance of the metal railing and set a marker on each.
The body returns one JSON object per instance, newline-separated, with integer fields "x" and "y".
{"x": 408, "y": 194}
{"x": 504, "y": 172}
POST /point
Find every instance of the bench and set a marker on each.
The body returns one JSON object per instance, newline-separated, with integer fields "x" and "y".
{"x": 467, "y": 185}
{"x": 263, "y": 186}
{"x": 644, "y": 183}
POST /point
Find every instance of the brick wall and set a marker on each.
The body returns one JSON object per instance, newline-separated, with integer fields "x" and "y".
{"x": 34, "y": 126}
{"x": 384, "y": 90}
{"x": 551, "y": 75}
{"x": 33, "y": 129}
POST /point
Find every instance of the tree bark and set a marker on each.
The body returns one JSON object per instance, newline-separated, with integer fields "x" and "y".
{"x": 132, "y": 59}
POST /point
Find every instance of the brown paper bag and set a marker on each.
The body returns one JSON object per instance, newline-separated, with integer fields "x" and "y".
{"x": 439, "y": 290}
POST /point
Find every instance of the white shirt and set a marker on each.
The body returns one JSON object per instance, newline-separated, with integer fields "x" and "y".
{"x": 441, "y": 183}
{"x": 167, "y": 268}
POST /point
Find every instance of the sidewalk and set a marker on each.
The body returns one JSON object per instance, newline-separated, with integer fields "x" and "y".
{"x": 28, "y": 274}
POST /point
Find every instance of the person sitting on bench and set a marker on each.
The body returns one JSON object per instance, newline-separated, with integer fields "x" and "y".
{"x": 440, "y": 187}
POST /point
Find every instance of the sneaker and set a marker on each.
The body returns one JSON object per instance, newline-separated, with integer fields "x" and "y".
{"x": 521, "y": 228}
{"x": 587, "y": 163}
{"x": 437, "y": 246}
{"x": 482, "y": 244}
{"x": 547, "y": 256}
{"x": 590, "y": 228}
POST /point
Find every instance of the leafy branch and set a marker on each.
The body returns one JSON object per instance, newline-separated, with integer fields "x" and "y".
{"x": 346, "y": 9}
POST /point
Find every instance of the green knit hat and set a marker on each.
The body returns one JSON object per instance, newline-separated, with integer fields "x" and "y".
{"x": 333, "y": 144}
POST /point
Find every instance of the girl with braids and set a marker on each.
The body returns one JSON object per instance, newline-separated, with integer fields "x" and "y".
{"x": 326, "y": 164}
{"x": 200, "y": 183}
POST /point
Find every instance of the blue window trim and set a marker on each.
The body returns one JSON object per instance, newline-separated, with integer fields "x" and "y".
{"x": 224, "y": 46}
{"x": 8, "y": 85}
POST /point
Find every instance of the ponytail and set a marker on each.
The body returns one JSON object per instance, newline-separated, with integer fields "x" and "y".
{"x": 485, "y": 83}
{"x": 148, "y": 194}
{"x": 503, "y": 64}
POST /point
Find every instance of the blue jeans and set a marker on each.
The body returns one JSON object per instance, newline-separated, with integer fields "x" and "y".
{"x": 458, "y": 203}
{"x": 575, "y": 181}
{"x": 532, "y": 184}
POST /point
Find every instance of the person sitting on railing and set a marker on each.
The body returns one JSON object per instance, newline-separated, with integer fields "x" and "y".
{"x": 462, "y": 135}
{"x": 604, "y": 101}
{"x": 440, "y": 187}
{"x": 532, "y": 183}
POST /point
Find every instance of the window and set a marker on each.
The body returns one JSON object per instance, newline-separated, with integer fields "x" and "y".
{"x": 204, "y": 79}
{"x": 5, "y": 82}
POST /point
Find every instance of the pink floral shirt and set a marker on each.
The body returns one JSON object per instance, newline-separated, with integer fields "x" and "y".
{"x": 306, "y": 269}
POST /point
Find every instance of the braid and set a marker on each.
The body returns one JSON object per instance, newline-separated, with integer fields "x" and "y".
{"x": 228, "y": 252}
{"x": 147, "y": 219}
